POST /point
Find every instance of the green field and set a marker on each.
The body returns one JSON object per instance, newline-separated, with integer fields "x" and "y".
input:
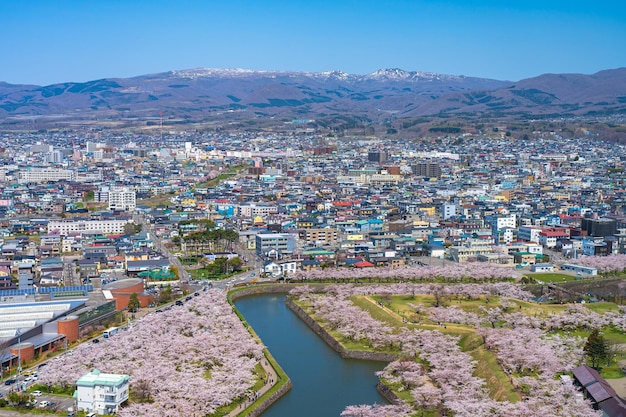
{"x": 551, "y": 277}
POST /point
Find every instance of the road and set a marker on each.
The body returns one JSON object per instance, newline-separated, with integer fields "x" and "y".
{"x": 249, "y": 257}
{"x": 160, "y": 247}
{"x": 70, "y": 277}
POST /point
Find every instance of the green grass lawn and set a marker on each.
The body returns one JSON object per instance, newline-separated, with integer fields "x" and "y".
{"x": 612, "y": 371}
{"x": 552, "y": 277}
{"x": 498, "y": 383}
{"x": 602, "y": 307}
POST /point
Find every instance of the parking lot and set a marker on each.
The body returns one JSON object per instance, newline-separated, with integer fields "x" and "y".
{"x": 58, "y": 404}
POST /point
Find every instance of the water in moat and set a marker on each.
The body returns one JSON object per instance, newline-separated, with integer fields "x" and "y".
{"x": 323, "y": 383}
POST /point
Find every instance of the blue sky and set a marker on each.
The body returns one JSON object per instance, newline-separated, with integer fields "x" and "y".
{"x": 46, "y": 42}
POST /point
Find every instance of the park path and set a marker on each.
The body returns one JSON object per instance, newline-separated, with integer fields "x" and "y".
{"x": 619, "y": 385}
{"x": 270, "y": 380}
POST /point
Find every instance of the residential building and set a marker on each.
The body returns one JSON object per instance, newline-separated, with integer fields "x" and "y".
{"x": 275, "y": 245}
{"x": 122, "y": 198}
{"x": 65, "y": 227}
{"x": 528, "y": 233}
{"x": 319, "y": 237}
{"x": 549, "y": 237}
{"x": 448, "y": 210}
{"x": 37, "y": 174}
{"x": 101, "y": 393}
{"x": 469, "y": 252}
{"x": 599, "y": 227}
{"x": 426, "y": 169}
{"x": 377, "y": 156}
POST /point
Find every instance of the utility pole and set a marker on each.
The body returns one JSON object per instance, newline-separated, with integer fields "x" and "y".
{"x": 19, "y": 355}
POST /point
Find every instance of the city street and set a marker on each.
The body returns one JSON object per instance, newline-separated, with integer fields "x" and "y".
{"x": 160, "y": 247}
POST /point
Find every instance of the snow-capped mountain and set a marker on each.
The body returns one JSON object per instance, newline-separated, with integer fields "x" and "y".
{"x": 203, "y": 94}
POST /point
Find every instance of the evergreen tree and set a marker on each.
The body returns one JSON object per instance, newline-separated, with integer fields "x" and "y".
{"x": 133, "y": 303}
{"x": 596, "y": 348}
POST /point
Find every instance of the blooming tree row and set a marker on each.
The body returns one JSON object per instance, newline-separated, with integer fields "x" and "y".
{"x": 500, "y": 289}
{"x": 182, "y": 362}
{"x": 474, "y": 271}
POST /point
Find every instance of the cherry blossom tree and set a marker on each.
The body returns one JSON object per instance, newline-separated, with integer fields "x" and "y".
{"x": 604, "y": 264}
{"x": 185, "y": 361}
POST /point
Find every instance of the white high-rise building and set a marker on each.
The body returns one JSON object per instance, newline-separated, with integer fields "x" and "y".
{"x": 122, "y": 198}
{"x": 448, "y": 210}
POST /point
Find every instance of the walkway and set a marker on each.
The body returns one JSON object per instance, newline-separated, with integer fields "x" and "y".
{"x": 270, "y": 380}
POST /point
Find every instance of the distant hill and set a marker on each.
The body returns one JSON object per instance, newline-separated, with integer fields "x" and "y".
{"x": 201, "y": 95}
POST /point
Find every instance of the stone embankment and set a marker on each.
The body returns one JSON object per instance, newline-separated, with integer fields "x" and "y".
{"x": 267, "y": 402}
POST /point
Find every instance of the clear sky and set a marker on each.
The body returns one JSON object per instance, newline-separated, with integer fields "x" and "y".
{"x": 51, "y": 41}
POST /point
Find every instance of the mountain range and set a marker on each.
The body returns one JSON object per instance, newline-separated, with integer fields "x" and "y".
{"x": 207, "y": 95}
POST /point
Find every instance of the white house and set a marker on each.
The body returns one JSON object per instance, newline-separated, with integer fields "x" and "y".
{"x": 280, "y": 268}
{"x": 101, "y": 393}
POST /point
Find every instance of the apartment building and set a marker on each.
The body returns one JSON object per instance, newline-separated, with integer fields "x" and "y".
{"x": 529, "y": 233}
{"x": 65, "y": 227}
{"x": 122, "y": 198}
{"x": 275, "y": 245}
{"x": 251, "y": 210}
{"x": 319, "y": 237}
{"x": 42, "y": 174}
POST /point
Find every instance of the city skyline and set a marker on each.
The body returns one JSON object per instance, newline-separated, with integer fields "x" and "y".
{"x": 47, "y": 43}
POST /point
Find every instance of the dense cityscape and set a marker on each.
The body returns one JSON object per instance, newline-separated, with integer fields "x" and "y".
{"x": 312, "y": 209}
{"x": 130, "y": 240}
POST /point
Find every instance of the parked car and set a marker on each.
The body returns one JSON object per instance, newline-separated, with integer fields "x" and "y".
{"x": 44, "y": 404}
{"x": 36, "y": 393}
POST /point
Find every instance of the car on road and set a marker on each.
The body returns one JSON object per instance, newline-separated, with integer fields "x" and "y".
{"x": 95, "y": 341}
{"x": 179, "y": 303}
{"x": 36, "y": 393}
{"x": 10, "y": 381}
